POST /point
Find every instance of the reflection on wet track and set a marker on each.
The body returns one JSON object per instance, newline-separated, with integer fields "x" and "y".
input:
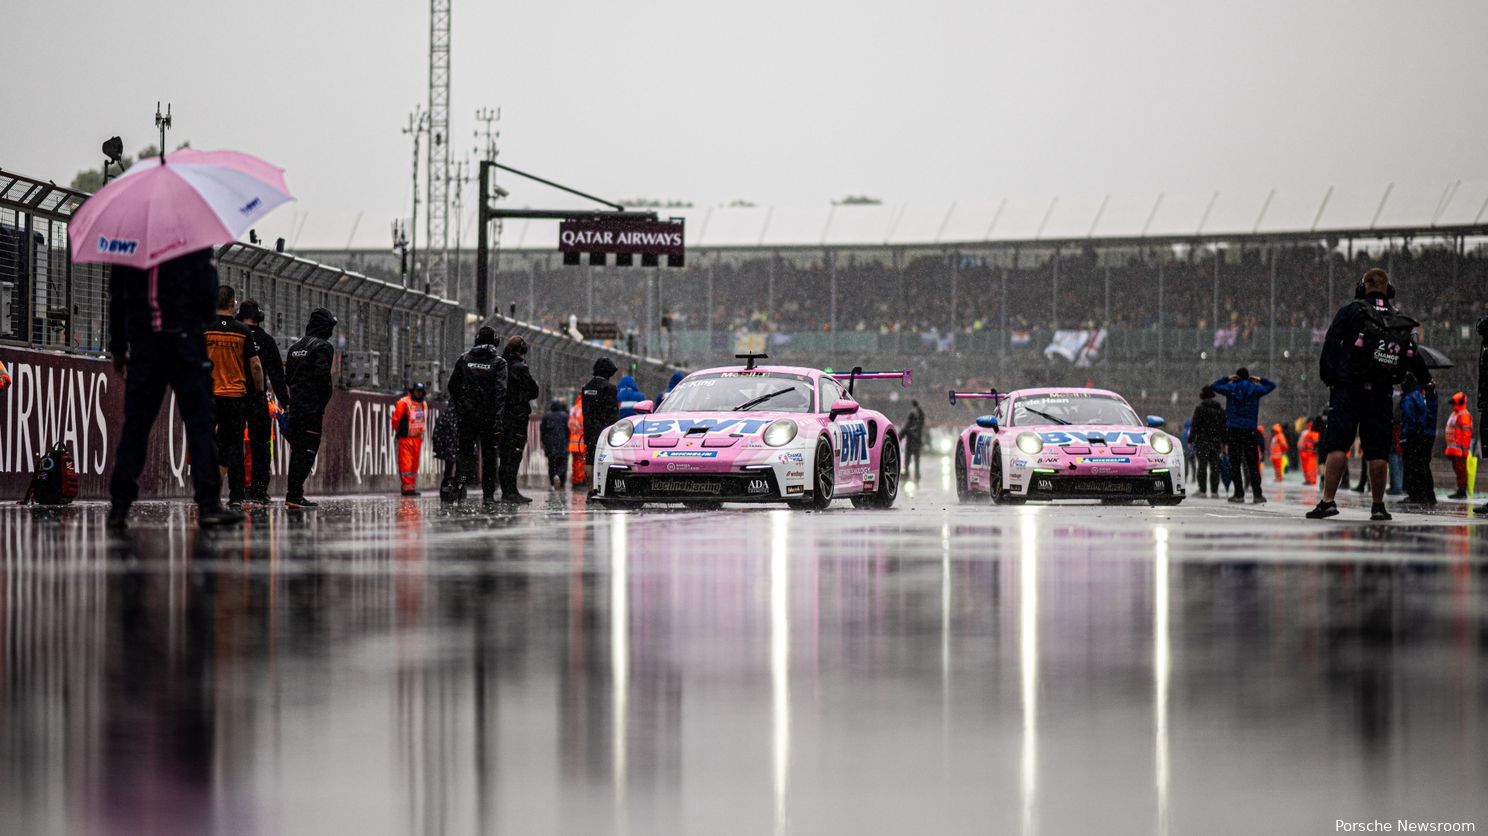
{"x": 383, "y": 667}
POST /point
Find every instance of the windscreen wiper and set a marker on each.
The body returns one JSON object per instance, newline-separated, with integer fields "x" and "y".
{"x": 1046, "y": 415}
{"x": 762, "y": 398}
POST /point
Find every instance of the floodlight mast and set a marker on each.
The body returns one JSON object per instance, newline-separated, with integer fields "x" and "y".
{"x": 484, "y": 292}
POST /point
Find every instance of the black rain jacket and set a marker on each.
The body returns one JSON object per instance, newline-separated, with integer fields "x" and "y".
{"x": 477, "y": 387}
{"x": 308, "y": 372}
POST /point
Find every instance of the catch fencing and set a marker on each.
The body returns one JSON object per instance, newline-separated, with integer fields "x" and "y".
{"x": 54, "y": 333}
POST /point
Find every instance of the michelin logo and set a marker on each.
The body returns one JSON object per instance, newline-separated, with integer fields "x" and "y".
{"x": 117, "y": 246}
{"x": 686, "y": 454}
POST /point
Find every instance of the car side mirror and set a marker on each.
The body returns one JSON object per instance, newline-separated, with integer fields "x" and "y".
{"x": 987, "y": 422}
{"x": 843, "y": 406}
{"x": 1155, "y": 421}
{"x": 644, "y": 408}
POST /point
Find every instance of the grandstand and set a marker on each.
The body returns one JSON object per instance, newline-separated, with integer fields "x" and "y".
{"x": 1184, "y": 286}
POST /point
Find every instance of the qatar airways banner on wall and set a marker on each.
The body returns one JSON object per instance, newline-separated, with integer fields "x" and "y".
{"x": 80, "y": 401}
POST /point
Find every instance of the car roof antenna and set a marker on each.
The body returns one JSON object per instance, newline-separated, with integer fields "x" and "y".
{"x": 750, "y": 359}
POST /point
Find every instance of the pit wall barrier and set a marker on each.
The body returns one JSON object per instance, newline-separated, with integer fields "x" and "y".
{"x": 80, "y": 400}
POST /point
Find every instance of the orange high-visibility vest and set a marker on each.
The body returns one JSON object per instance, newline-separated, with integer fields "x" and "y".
{"x": 576, "y": 427}
{"x": 415, "y": 412}
{"x": 1308, "y": 442}
{"x": 1459, "y": 432}
{"x": 1279, "y": 444}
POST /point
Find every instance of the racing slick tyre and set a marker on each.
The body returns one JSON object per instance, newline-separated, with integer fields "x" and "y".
{"x": 702, "y": 505}
{"x": 1167, "y": 500}
{"x": 823, "y": 480}
{"x": 888, "y": 479}
{"x": 962, "y": 493}
{"x": 1000, "y": 496}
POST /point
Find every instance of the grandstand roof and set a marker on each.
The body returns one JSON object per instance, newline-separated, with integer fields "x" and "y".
{"x": 1460, "y": 206}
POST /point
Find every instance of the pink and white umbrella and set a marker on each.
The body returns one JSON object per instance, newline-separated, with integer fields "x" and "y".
{"x": 156, "y": 211}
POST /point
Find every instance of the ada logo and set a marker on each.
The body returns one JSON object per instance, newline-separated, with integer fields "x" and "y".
{"x": 117, "y": 246}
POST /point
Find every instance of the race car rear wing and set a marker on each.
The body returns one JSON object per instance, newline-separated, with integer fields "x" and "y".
{"x": 906, "y": 377}
{"x": 989, "y": 395}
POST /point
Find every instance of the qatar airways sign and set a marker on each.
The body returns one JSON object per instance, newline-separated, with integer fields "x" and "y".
{"x": 645, "y": 238}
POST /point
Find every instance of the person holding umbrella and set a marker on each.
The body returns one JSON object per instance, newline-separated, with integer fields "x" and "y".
{"x": 157, "y": 224}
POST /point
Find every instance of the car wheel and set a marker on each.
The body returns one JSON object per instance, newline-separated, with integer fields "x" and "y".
{"x": 823, "y": 479}
{"x": 963, "y": 493}
{"x": 1000, "y": 496}
{"x": 888, "y": 478}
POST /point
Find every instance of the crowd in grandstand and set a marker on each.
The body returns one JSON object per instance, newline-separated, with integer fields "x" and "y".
{"x": 732, "y": 292}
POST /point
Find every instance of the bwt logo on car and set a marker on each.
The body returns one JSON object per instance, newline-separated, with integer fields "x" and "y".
{"x": 117, "y": 246}
{"x": 982, "y": 453}
{"x": 854, "y": 444}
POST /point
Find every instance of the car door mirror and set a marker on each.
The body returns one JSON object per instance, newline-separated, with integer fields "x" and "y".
{"x": 987, "y": 422}
{"x": 644, "y": 408}
{"x": 1155, "y": 421}
{"x": 843, "y": 406}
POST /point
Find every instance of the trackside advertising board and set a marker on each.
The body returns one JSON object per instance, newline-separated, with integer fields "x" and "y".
{"x": 80, "y": 400}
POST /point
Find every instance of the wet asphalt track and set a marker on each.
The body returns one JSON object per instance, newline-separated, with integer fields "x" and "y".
{"x": 382, "y": 667}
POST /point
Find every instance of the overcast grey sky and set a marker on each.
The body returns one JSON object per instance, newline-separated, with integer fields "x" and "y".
{"x": 775, "y": 101}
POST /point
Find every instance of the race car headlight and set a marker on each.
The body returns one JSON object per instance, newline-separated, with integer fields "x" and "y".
{"x": 780, "y": 433}
{"x": 1162, "y": 444}
{"x": 1029, "y": 443}
{"x": 620, "y": 434}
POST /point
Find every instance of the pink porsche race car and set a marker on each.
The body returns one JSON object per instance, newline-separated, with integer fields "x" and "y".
{"x": 753, "y": 434}
{"x": 1066, "y": 443}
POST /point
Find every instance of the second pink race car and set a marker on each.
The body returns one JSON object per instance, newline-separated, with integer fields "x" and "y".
{"x": 1066, "y": 443}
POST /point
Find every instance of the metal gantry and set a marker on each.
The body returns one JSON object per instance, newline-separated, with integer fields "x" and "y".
{"x": 438, "y": 173}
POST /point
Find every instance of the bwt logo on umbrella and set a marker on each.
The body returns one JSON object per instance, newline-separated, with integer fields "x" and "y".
{"x": 121, "y": 246}
{"x": 251, "y": 205}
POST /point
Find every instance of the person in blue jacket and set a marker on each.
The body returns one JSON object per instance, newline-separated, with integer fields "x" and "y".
{"x": 1243, "y": 395}
{"x": 630, "y": 394}
{"x": 671, "y": 384}
{"x": 1418, "y": 414}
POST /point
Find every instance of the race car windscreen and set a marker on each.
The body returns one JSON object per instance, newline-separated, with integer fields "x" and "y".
{"x": 740, "y": 392}
{"x": 1072, "y": 409}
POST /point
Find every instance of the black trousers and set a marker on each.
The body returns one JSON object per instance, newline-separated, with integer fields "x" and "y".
{"x": 258, "y": 445}
{"x": 481, "y": 439}
{"x": 178, "y": 361}
{"x": 557, "y": 462}
{"x": 231, "y": 413}
{"x": 1245, "y": 460}
{"x": 513, "y": 445}
{"x": 1207, "y": 459}
{"x": 304, "y": 445}
{"x": 912, "y": 461}
{"x": 1419, "y": 484}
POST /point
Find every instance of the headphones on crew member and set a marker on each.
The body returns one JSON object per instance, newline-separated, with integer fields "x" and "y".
{"x": 1360, "y": 292}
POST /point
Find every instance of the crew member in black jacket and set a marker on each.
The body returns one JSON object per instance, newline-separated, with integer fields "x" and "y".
{"x": 601, "y": 409}
{"x": 477, "y": 390}
{"x": 520, "y": 390}
{"x": 309, "y": 379}
{"x": 1359, "y": 400}
{"x": 250, "y": 314}
{"x": 157, "y": 326}
{"x": 1206, "y": 434}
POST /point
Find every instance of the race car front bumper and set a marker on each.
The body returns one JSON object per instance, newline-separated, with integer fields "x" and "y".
{"x": 1089, "y": 486}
